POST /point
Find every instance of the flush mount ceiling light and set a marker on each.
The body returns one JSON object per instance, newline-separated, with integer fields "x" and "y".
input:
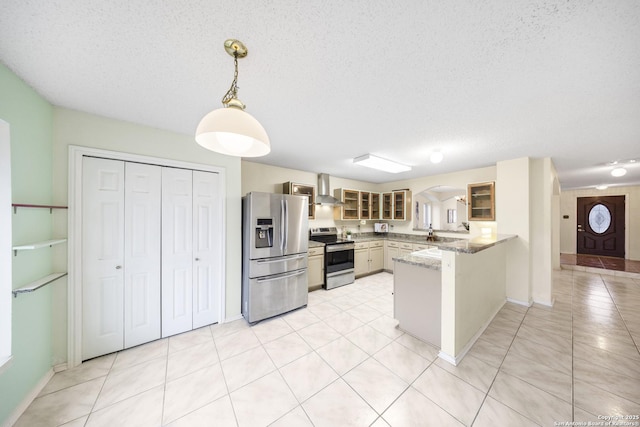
{"x": 230, "y": 130}
{"x": 374, "y": 162}
{"x": 436, "y": 157}
{"x": 618, "y": 172}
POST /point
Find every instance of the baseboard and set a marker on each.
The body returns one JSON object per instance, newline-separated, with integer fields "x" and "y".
{"x": 455, "y": 360}
{"x": 60, "y": 367}
{"x": 232, "y": 319}
{"x": 515, "y": 301}
{"x": 30, "y": 397}
{"x": 545, "y": 303}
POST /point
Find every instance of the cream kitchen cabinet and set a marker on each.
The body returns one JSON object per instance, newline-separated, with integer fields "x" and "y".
{"x": 391, "y": 250}
{"x": 405, "y": 249}
{"x": 368, "y": 257}
{"x": 351, "y": 207}
{"x": 396, "y": 205}
{"x": 302, "y": 190}
{"x": 315, "y": 268}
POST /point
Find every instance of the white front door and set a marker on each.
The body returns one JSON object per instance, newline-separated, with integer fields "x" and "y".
{"x": 102, "y": 257}
{"x": 142, "y": 253}
{"x": 207, "y": 248}
{"x": 177, "y": 251}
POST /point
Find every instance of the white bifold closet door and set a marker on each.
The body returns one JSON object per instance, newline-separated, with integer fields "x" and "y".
{"x": 191, "y": 249}
{"x": 121, "y": 255}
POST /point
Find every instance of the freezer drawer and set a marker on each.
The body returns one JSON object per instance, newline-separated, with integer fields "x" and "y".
{"x": 271, "y": 266}
{"x": 269, "y": 296}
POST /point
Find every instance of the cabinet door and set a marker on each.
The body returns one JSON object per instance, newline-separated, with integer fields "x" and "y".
{"x": 391, "y": 252}
{"x": 351, "y": 199}
{"x": 303, "y": 190}
{"x": 375, "y": 205}
{"x": 177, "y": 251}
{"x": 361, "y": 261}
{"x": 387, "y": 205}
{"x": 376, "y": 255}
{"x": 399, "y": 211}
{"x": 365, "y": 205}
{"x": 103, "y": 256}
{"x": 315, "y": 270}
{"x": 207, "y": 248}
{"x": 481, "y": 202}
{"x": 142, "y": 253}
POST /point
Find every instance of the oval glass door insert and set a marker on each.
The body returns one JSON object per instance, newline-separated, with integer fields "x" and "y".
{"x": 599, "y": 218}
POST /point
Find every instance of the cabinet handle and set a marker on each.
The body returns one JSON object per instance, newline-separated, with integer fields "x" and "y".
{"x": 118, "y": 267}
{"x": 197, "y": 259}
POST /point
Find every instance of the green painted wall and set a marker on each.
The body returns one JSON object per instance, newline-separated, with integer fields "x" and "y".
{"x": 31, "y": 121}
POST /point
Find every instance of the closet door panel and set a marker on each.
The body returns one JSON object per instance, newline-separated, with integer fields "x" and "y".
{"x": 142, "y": 253}
{"x": 103, "y": 256}
{"x": 177, "y": 251}
{"x": 207, "y": 251}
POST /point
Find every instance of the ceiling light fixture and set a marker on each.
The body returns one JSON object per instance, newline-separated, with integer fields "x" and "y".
{"x": 374, "y": 162}
{"x": 436, "y": 157}
{"x": 230, "y": 130}
{"x": 618, "y": 172}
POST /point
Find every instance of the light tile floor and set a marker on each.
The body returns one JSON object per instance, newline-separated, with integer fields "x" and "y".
{"x": 342, "y": 362}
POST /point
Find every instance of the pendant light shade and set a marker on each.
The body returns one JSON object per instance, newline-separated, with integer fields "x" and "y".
{"x": 230, "y": 130}
{"x": 233, "y": 132}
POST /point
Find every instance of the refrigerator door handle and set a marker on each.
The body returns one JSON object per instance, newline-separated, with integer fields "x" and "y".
{"x": 282, "y": 226}
{"x": 286, "y": 228}
{"x": 281, "y": 276}
{"x": 280, "y": 259}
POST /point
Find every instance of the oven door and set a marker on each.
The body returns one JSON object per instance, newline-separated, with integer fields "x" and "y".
{"x": 338, "y": 257}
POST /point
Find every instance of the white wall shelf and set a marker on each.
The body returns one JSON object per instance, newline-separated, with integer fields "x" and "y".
{"x": 37, "y": 284}
{"x": 37, "y": 245}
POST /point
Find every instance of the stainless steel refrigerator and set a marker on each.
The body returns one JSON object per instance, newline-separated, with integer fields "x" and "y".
{"x": 275, "y": 241}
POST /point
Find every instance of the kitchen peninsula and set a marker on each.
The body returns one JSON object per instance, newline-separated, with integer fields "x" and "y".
{"x": 447, "y": 296}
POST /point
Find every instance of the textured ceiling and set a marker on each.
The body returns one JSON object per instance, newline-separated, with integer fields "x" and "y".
{"x": 482, "y": 81}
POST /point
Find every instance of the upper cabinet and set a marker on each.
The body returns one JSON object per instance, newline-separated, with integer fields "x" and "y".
{"x": 387, "y": 205}
{"x": 365, "y": 205}
{"x": 375, "y": 205}
{"x": 302, "y": 190}
{"x": 351, "y": 207}
{"x": 481, "y": 198}
{"x": 395, "y": 205}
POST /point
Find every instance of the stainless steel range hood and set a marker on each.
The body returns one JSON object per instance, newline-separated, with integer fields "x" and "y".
{"x": 324, "y": 197}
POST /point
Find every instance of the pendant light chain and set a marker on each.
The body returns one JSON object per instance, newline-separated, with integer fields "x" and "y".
{"x": 233, "y": 90}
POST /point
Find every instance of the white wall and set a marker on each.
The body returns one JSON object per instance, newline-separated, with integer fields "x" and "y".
{"x": 541, "y": 229}
{"x": 568, "y": 227}
{"x": 513, "y": 217}
{"x": 83, "y": 129}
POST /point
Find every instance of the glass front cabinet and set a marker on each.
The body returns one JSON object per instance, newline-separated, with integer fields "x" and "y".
{"x": 481, "y": 198}
{"x": 302, "y": 190}
{"x": 351, "y": 207}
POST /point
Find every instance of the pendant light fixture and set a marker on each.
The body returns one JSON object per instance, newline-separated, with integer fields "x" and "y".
{"x": 230, "y": 130}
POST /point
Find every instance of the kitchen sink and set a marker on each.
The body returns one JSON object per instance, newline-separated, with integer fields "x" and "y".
{"x": 429, "y": 253}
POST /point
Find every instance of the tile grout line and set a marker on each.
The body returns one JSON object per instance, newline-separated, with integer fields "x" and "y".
{"x": 499, "y": 370}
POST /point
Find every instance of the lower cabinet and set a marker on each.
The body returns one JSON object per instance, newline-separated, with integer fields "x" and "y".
{"x": 315, "y": 268}
{"x": 369, "y": 257}
{"x": 391, "y": 251}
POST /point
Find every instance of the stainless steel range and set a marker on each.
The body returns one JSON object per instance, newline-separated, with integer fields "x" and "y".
{"x": 338, "y": 257}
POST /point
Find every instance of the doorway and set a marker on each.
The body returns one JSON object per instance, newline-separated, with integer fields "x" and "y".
{"x": 600, "y": 223}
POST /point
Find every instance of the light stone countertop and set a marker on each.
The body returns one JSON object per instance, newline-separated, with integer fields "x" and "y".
{"x": 464, "y": 246}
